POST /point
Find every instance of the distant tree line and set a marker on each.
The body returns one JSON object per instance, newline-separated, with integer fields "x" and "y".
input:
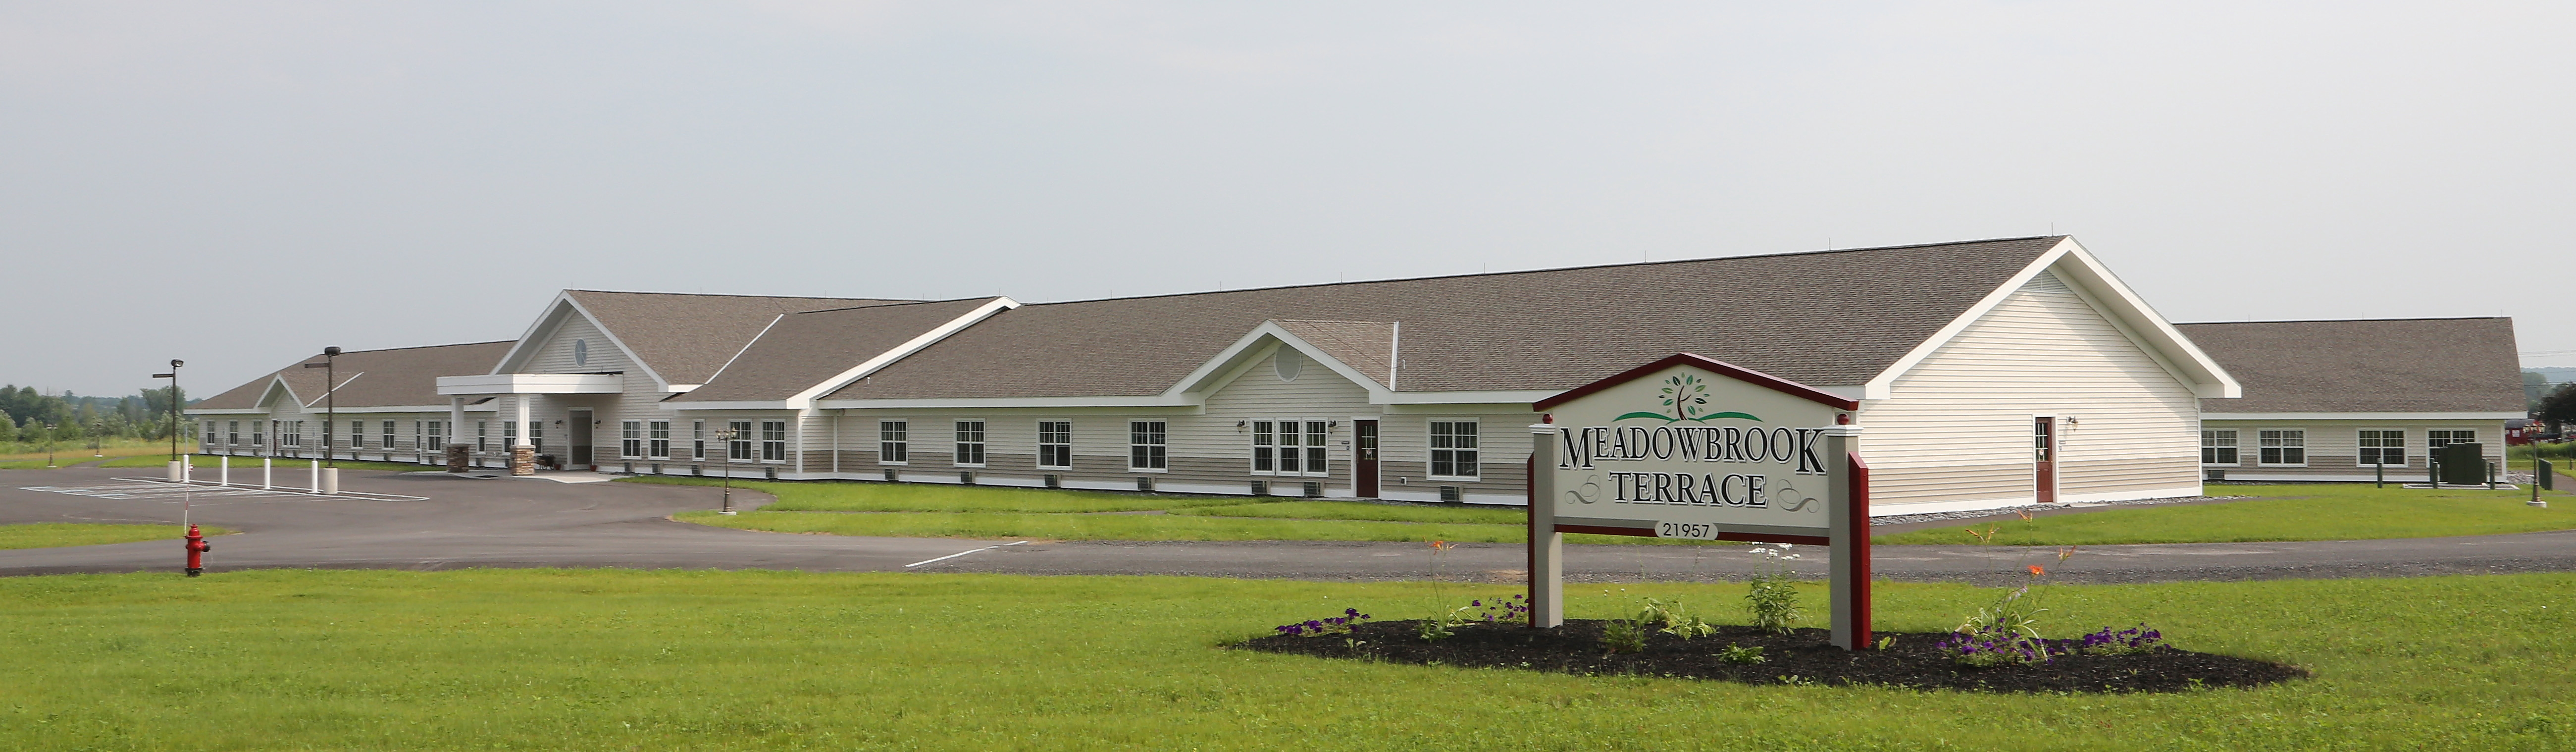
{"x": 24, "y": 413}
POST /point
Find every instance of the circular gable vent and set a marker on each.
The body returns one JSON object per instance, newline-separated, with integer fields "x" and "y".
{"x": 581, "y": 352}
{"x": 1287, "y": 363}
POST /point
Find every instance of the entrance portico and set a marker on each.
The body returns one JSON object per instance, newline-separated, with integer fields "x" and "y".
{"x": 521, "y": 389}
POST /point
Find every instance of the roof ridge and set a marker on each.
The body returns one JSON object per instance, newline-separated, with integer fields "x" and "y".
{"x": 419, "y": 347}
{"x": 1557, "y": 269}
{"x": 731, "y": 295}
{"x": 893, "y": 305}
{"x": 1333, "y": 321}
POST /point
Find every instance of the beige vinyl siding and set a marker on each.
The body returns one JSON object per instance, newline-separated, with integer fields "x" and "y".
{"x": 1957, "y": 427}
{"x": 1219, "y": 453}
{"x": 2334, "y": 446}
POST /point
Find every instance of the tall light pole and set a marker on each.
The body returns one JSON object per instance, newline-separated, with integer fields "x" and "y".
{"x": 725, "y": 436}
{"x": 49, "y": 453}
{"x": 330, "y": 400}
{"x": 173, "y": 376}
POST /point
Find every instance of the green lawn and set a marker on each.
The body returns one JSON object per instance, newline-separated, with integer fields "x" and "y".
{"x": 1361, "y": 510}
{"x": 2341, "y": 511}
{"x": 703, "y": 660}
{"x": 57, "y": 534}
{"x": 853, "y": 496}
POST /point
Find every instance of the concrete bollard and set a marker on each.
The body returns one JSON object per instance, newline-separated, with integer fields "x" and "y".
{"x": 178, "y": 475}
{"x": 317, "y": 476}
{"x": 224, "y": 470}
{"x": 267, "y": 474}
{"x": 330, "y": 481}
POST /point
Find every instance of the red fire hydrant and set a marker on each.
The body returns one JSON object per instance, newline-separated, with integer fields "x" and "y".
{"x": 197, "y": 548}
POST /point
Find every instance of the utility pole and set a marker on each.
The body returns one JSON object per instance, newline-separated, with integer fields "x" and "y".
{"x": 330, "y": 401}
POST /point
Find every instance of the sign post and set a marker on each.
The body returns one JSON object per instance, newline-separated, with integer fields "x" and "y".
{"x": 1689, "y": 447}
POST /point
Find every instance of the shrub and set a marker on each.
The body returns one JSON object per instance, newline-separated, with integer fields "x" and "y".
{"x": 1772, "y": 596}
{"x": 1741, "y": 654}
{"x": 1673, "y": 620}
{"x": 1624, "y": 636}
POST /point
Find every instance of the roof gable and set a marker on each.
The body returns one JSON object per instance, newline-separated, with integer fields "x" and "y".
{"x": 399, "y": 377}
{"x": 677, "y": 339}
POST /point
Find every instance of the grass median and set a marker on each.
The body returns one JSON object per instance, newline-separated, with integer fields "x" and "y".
{"x": 59, "y": 534}
{"x": 622, "y": 659}
{"x": 2280, "y": 513}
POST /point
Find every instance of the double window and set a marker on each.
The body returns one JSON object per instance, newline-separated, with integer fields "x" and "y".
{"x": 1453, "y": 449}
{"x": 657, "y": 436}
{"x": 1290, "y": 447}
{"x": 1055, "y": 444}
{"x": 773, "y": 441}
{"x": 892, "y": 446}
{"x": 970, "y": 443}
{"x": 294, "y": 434}
{"x": 739, "y": 449}
{"x": 2285, "y": 446}
{"x": 2383, "y": 447}
{"x": 2442, "y": 437}
{"x": 2218, "y": 446}
{"x": 1148, "y": 445}
{"x": 630, "y": 439}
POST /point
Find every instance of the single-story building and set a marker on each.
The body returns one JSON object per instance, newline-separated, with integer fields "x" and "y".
{"x": 1989, "y": 373}
{"x": 2350, "y": 399}
{"x": 386, "y": 406}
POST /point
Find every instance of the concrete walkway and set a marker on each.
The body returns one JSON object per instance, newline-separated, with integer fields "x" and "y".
{"x": 461, "y": 522}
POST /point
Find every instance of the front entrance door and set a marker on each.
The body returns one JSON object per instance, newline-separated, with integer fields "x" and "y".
{"x": 581, "y": 439}
{"x": 2043, "y": 443}
{"x": 1364, "y": 458}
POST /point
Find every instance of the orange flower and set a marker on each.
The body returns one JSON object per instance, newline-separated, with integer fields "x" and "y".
{"x": 2035, "y": 571}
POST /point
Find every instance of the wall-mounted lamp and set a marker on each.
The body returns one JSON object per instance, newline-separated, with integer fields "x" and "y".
{"x": 1336, "y": 424}
{"x": 558, "y": 422}
{"x": 1238, "y": 425}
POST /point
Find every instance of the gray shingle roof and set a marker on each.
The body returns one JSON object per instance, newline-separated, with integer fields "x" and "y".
{"x": 1822, "y": 318}
{"x": 405, "y": 376}
{"x": 2369, "y": 365}
{"x": 804, "y": 349}
{"x": 1365, "y": 346}
{"x": 686, "y": 337}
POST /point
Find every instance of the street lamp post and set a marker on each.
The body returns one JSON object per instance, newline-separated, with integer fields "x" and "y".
{"x": 173, "y": 376}
{"x": 330, "y": 401}
{"x": 724, "y": 436}
{"x": 49, "y": 446}
{"x": 98, "y": 437}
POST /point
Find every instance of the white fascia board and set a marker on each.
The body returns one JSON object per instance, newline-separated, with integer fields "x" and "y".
{"x": 277, "y": 383}
{"x": 531, "y": 383}
{"x": 684, "y": 388}
{"x": 1210, "y": 375}
{"x": 226, "y": 411}
{"x": 728, "y": 405}
{"x": 2209, "y": 417}
{"x": 1522, "y": 397}
{"x": 552, "y": 320}
{"x": 983, "y": 402}
{"x": 2207, "y": 378}
{"x": 805, "y": 399}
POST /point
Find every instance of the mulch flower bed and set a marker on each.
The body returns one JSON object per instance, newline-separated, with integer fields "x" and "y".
{"x": 1800, "y": 657}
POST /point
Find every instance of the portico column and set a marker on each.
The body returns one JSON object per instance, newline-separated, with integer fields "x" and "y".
{"x": 523, "y": 455}
{"x": 455, "y": 433}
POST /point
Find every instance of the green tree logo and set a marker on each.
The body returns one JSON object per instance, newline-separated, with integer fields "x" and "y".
{"x": 1685, "y": 396}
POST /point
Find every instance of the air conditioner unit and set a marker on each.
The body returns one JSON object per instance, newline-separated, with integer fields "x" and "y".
{"x": 1145, "y": 484}
{"x": 1452, "y": 495}
{"x": 772, "y": 472}
{"x": 1054, "y": 481}
{"x": 1261, "y": 488}
{"x": 966, "y": 477}
{"x": 890, "y": 476}
{"x": 630, "y": 468}
{"x": 1314, "y": 490}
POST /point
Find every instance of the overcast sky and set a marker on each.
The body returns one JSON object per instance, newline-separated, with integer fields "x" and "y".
{"x": 240, "y": 183}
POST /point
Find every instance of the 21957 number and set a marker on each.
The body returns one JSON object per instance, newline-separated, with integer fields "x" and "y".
{"x": 1691, "y": 530}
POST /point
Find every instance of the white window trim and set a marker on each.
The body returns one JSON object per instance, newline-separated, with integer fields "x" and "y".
{"x": 1130, "y": 430}
{"x": 1040, "y": 444}
{"x": 666, "y": 440}
{"x": 1427, "y": 450}
{"x": 906, "y": 442}
{"x": 634, "y": 438}
{"x": 954, "y": 443}
{"x": 2239, "y": 447}
{"x": 760, "y": 430}
{"x": 2258, "y": 448}
{"x": 2405, "y": 448}
{"x": 748, "y": 435}
{"x": 1305, "y": 468}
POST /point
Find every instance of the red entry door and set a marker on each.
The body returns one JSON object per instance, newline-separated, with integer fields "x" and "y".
{"x": 2043, "y": 443}
{"x": 1364, "y": 458}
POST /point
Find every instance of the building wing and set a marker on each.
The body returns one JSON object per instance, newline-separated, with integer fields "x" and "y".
{"x": 2442, "y": 365}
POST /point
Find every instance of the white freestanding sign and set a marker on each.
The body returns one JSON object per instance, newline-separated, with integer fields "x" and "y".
{"x": 1688, "y": 447}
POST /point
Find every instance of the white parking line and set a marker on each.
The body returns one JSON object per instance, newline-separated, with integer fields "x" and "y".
{"x": 958, "y": 554}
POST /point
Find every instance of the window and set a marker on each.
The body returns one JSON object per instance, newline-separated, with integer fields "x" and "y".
{"x": 510, "y": 433}
{"x": 2283, "y": 447}
{"x": 659, "y": 434}
{"x": 210, "y": 434}
{"x": 892, "y": 448}
{"x": 537, "y": 434}
{"x": 258, "y": 434}
{"x": 1453, "y": 449}
{"x": 2218, "y": 447}
{"x": 1055, "y": 444}
{"x": 773, "y": 441}
{"x": 326, "y": 436}
{"x": 482, "y": 435}
{"x": 630, "y": 439}
{"x": 1147, "y": 445}
{"x": 970, "y": 443}
{"x": 1290, "y": 447}
{"x": 697, "y": 439}
{"x": 357, "y": 434}
{"x": 232, "y": 432}
{"x": 388, "y": 435}
{"x": 437, "y": 436}
{"x": 2383, "y": 447}
{"x": 294, "y": 433}
{"x": 2438, "y": 438}
{"x": 416, "y": 440}
{"x": 739, "y": 449}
